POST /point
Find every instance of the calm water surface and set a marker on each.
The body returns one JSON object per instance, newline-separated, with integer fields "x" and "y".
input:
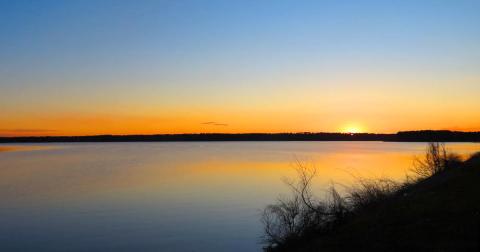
{"x": 169, "y": 196}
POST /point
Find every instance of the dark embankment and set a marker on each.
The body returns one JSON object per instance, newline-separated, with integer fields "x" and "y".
{"x": 406, "y": 136}
{"x": 438, "y": 213}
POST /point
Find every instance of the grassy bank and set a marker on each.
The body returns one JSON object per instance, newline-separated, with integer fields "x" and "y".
{"x": 438, "y": 210}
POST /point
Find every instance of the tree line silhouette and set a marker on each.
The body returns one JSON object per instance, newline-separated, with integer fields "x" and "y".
{"x": 403, "y": 136}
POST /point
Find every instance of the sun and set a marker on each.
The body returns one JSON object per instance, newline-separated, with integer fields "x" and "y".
{"x": 352, "y": 129}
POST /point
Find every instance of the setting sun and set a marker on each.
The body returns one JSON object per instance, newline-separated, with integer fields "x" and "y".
{"x": 352, "y": 128}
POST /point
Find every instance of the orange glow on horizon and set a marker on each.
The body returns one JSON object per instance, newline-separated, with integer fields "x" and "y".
{"x": 352, "y": 129}
{"x": 149, "y": 125}
{"x": 178, "y": 121}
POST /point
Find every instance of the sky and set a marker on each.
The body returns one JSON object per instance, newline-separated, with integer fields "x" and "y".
{"x": 147, "y": 67}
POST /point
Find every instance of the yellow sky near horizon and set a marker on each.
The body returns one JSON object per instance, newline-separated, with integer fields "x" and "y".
{"x": 359, "y": 103}
{"x": 369, "y": 108}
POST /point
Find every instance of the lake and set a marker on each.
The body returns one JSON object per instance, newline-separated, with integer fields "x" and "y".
{"x": 185, "y": 196}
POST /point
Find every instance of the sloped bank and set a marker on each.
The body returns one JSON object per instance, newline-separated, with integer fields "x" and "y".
{"x": 437, "y": 212}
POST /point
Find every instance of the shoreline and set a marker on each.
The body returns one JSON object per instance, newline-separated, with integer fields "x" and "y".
{"x": 437, "y": 212}
{"x": 405, "y": 136}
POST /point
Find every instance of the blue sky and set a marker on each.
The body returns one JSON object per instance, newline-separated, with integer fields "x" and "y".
{"x": 82, "y": 57}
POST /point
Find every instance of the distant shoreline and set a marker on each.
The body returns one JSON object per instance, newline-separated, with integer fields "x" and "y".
{"x": 403, "y": 136}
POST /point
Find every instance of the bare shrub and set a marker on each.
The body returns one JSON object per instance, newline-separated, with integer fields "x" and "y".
{"x": 368, "y": 192}
{"x": 301, "y": 214}
{"x": 436, "y": 160}
{"x": 291, "y": 217}
{"x": 338, "y": 206}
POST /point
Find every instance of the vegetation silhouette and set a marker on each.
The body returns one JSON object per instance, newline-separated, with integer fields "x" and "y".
{"x": 405, "y": 136}
{"x": 436, "y": 210}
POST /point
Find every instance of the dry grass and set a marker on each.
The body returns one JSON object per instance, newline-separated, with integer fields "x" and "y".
{"x": 301, "y": 214}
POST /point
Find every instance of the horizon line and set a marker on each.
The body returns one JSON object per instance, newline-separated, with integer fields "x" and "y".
{"x": 245, "y": 133}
